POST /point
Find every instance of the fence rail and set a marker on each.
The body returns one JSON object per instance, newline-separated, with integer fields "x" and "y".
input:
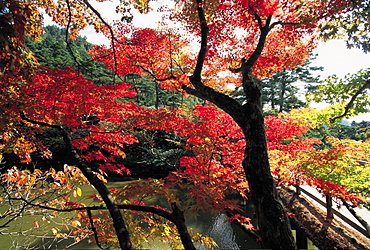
{"x": 331, "y": 211}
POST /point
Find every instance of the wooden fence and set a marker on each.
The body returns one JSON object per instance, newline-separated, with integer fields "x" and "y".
{"x": 330, "y": 211}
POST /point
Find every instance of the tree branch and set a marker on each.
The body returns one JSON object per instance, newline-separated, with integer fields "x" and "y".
{"x": 94, "y": 229}
{"x": 70, "y": 50}
{"x": 224, "y": 102}
{"x": 196, "y": 77}
{"x": 350, "y": 103}
{"x": 358, "y": 217}
{"x": 66, "y": 35}
{"x": 44, "y": 124}
{"x": 265, "y": 29}
{"x": 176, "y": 217}
{"x": 118, "y": 221}
{"x": 110, "y": 31}
{"x": 171, "y": 77}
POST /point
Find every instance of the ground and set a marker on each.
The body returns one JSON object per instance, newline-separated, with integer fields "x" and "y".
{"x": 312, "y": 220}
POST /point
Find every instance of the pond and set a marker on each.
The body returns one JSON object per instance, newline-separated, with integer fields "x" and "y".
{"x": 226, "y": 235}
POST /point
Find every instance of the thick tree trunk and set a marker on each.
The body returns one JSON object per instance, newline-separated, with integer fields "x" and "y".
{"x": 273, "y": 222}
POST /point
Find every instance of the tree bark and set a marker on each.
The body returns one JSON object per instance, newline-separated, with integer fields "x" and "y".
{"x": 118, "y": 222}
{"x": 179, "y": 220}
{"x": 273, "y": 222}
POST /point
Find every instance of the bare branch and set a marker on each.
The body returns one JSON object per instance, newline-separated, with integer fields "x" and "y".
{"x": 110, "y": 31}
{"x": 67, "y": 40}
{"x": 171, "y": 77}
{"x": 94, "y": 229}
{"x": 67, "y": 31}
{"x": 203, "y": 46}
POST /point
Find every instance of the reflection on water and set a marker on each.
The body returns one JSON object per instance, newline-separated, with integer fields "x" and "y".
{"x": 214, "y": 226}
{"x": 226, "y": 235}
{"x": 222, "y": 233}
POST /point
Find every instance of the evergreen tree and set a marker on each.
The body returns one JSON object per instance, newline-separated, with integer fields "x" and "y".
{"x": 280, "y": 93}
{"x": 56, "y": 50}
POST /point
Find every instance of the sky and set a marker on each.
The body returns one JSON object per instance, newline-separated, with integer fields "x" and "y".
{"x": 337, "y": 59}
{"x": 332, "y": 55}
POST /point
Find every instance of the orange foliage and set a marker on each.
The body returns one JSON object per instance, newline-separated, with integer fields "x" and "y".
{"x": 63, "y": 97}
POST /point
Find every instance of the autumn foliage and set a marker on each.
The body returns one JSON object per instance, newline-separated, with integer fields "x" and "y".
{"x": 97, "y": 125}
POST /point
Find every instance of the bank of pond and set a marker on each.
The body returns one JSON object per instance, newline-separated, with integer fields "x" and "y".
{"x": 22, "y": 233}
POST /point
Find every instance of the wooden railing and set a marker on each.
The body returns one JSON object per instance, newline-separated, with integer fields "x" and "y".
{"x": 330, "y": 211}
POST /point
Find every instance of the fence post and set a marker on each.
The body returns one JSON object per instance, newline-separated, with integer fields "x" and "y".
{"x": 329, "y": 209}
{"x": 297, "y": 188}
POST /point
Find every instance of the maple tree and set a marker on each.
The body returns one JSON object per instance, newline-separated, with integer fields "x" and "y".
{"x": 351, "y": 27}
{"x": 210, "y": 175}
{"x": 216, "y": 20}
{"x": 351, "y": 93}
{"x": 337, "y": 168}
{"x": 270, "y": 37}
{"x": 51, "y": 100}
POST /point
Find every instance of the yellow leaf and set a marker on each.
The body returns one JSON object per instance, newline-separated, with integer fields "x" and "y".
{"x": 79, "y": 191}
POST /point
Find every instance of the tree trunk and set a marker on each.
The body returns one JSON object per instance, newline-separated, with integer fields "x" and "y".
{"x": 273, "y": 222}
{"x": 179, "y": 220}
{"x": 281, "y": 97}
{"x": 118, "y": 222}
